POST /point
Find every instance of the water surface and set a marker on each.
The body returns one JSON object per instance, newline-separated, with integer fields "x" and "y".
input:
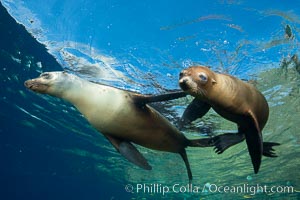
{"x": 49, "y": 151}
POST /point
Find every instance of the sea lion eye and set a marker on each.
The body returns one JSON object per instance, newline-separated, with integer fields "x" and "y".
{"x": 180, "y": 74}
{"x": 203, "y": 77}
{"x": 46, "y": 75}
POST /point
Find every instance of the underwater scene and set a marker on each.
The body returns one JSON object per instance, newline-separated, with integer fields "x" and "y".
{"x": 50, "y": 148}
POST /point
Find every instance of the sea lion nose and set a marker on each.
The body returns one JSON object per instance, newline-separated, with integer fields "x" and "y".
{"x": 28, "y": 84}
{"x": 183, "y": 83}
{"x": 183, "y": 80}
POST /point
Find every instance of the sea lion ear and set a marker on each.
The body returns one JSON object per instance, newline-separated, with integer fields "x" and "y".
{"x": 213, "y": 81}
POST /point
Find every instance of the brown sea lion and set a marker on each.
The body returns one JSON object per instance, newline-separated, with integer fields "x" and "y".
{"x": 233, "y": 99}
{"x": 123, "y": 117}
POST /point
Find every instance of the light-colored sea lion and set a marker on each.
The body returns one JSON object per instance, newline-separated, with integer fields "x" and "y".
{"x": 121, "y": 116}
{"x": 233, "y": 99}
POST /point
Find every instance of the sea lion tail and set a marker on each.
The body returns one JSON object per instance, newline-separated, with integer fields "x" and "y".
{"x": 205, "y": 142}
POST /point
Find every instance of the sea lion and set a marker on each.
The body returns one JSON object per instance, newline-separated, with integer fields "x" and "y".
{"x": 233, "y": 99}
{"x": 123, "y": 117}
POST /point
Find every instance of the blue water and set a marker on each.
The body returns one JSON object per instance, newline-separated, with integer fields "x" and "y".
{"x": 49, "y": 151}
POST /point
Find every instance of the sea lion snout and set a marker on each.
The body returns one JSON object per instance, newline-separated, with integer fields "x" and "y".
{"x": 184, "y": 80}
{"x": 27, "y": 84}
{"x": 30, "y": 84}
{"x": 36, "y": 86}
{"x": 183, "y": 83}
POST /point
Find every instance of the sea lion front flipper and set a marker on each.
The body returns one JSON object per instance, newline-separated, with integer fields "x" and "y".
{"x": 196, "y": 109}
{"x": 254, "y": 142}
{"x": 144, "y": 99}
{"x": 133, "y": 155}
{"x": 130, "y": 152}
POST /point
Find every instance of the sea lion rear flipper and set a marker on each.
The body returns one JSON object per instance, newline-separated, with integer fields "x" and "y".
{"x": 196, "y": 109}
{"x": 130, "y": 152}
{"x": 204, "y": 142}
{"x": 226, "y": 140}
{"x": 268, "y": 150}
{"x": 187, "y": 164}
{"x": 144, "y": 99}
{"x": 254, "y": 142}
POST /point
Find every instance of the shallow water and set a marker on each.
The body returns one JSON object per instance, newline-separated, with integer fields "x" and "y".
{"x": 49, "y": 151}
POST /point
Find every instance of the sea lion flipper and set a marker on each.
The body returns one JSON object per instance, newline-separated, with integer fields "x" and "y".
{"x": 254, "y": 142}
{"x": 144, "y": 99}
{"x": 130, "y": 152}
{"x": 187, "y": 164}
{"x": 133, "y": 155}
{"x": 196, "y": 109}
{"x": 226, "y": 140}
{"x": 268, "y": 150}
{"x": 204, "y": 142}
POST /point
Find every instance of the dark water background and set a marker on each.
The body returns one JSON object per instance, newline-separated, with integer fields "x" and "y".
{"x": 47, "y": 149}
